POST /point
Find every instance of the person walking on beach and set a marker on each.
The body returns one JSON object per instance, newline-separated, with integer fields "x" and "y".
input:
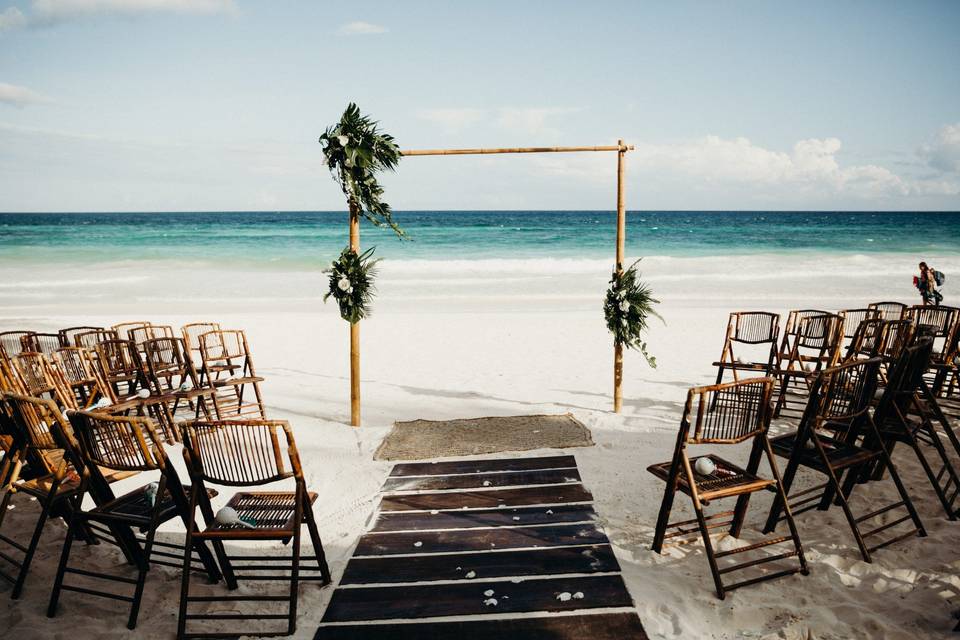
{"x": 926, "y": 282}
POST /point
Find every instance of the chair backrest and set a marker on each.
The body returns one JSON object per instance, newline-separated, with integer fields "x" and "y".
{"x": 93, "y": 337}
{"x": 39, "y": 419}
{"x": 942, "y": 318}
{"x": 168, "y": 363}
{"x": 140, "y": 335}
{"x": 866, "y": 341}
{"x": 845, "y": 391}
{"x": 121, "y": 443}
{"x": 226, "y": 350}
{"x": 38, "y": 378}
{"x": 795, "y": 319}
{"x": 896, "y": 336}
{"x": 11, "y": 342}
{"x": 123, "y": 329}
{"x": 73, "y": 364}
{"x": 192, "y": 332}
{"x": 905, "y": 378}
{"x": 118, "y": 362}
{"x": 45, "y": 343}
{"x": 853, "y": 317}
{"x": 240, "y": 453}
{"x": 67, "y": 335}
{"x": 821, "y": 331}
{"x": 888, "y": 310}
{"x": 727, "y": 413}
{"x": 754, "y": 327}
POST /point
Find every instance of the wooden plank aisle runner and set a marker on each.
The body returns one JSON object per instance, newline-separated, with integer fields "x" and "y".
{"x": 483, "y": 549}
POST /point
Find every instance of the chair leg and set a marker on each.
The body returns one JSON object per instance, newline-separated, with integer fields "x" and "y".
{"x": 851, "y": 519}
{"x": 317, "y": 543}
{"x": 32, "y": 547}
{"x": 61, "y": 569}
{"x": 663, "y": 519}
{"x": 782, "y": 497}
{"x": 294, "y": 579}
{"x": 708, "y": 546}
{"x": 780, "y": 501}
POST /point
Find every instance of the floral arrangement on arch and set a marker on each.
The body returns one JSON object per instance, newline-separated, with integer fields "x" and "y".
{"x": 627, "y": 307}
{"x": 351, "y": 283}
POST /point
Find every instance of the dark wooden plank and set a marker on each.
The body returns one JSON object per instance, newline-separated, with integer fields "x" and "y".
{"x": 482, "y": 466}
{"x": 424, "y": 601}
{"x": 419, "y": 521}
{"x": 408, "y": 542}
{"x": 529, "y": 562}
{"x": 558, "y": 494}
{"x": 601, "y": 626}
{"x": 481, "y": 480}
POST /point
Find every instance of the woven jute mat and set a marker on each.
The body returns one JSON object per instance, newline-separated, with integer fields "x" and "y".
{"x": 426, "y": 439}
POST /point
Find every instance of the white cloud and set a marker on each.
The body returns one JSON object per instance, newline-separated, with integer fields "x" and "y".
{"x": 530, "y": 120}
{"x": 944, "y": 153}
{"x": 18, "y": 96}
{"x": 360, "y": 29}
{"x": 12, "y": 18}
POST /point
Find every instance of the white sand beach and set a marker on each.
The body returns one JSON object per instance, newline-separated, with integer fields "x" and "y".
{"x": 474, "y": 344}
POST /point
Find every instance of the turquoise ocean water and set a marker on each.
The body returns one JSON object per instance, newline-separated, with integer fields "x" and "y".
{"x": 307, "y": 239}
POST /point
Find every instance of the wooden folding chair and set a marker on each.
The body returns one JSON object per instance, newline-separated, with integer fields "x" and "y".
{"x": 244, "y": 454}
{"x": 888, "y": 310}
{"x": 227, "y": 366}
{"x": 75, "y": 368}
{"x": 140, "y": 335}
{"x": 839, "y": 439}
{"x": 123, "y": 329}
{"x": 191, "y": 335}
{"x": 754, "y": 330}
{"x": 852, "y": 319}
{"x": 127, "y": 444}
{"x": 814, "y": 343}
{"x": 173, "y": 376}
{"x": 39, "y": 379}
{"x": 54, "y": 482}
{"x": 945, "y": 325}
{"x": 909, "y": 412}
{"x": 93, "y": 337}
{"x": 724, "y": 414}
{"x": 68, "y": 335}
{"x": 45, "y": 343}
{"x": 792, "y": 327}
{"x": 11, "y": 343}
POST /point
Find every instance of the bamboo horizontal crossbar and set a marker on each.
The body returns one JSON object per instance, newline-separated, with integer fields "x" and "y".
{"x": 465, "y": 152}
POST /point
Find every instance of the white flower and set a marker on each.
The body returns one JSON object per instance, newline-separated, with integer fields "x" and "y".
{"x": 348, "y": 162}
{"x": 343, "y": 140}
{"x": 344, "y": 284}
{"x": 350, "y": 290}
{"x": 624, "y": 306}
{"x": 623, "y": 321}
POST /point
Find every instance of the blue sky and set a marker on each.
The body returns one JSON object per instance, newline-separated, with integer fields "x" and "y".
{"x": 147, "y": 105}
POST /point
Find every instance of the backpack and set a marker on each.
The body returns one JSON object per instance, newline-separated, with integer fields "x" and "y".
{"x": 939, "y": 278}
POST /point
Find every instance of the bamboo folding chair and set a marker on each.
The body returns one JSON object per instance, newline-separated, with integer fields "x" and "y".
{"x": 753, "y": 329}
{"x": 93, "y": 337}
{"x": 227, "y": 366}
{"x": 11, "y": 343}
{"x": 122, "y": 376}
{"x": 55, "y": 486}
{"x": 945, "y": 324}
{"x": 75, "y": 368}
{"x": 67, "y": 335}
{"x": 173, "y": 376}
{"x": 191, "y": 334}
{"x": 724, "y": 414}
{"x": 909, "y": 412}
{"x": 245, "y": 454}
{"x": 852, "y": 319}
{"x": 839, "y": 439}
{"x": 123, "y": 329}
{"x": 889, "y": 310}
{"x": 792, "y": 327}
{"x": 45, "y": 343}
{"x": 813, "y": 344}
{"x": 39, "y": 379}
{"x": 127, "y": 444}
{"x": 140, "y": 335}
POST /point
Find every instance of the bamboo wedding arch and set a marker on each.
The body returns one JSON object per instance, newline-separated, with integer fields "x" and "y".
{"x": 621, "y": 150}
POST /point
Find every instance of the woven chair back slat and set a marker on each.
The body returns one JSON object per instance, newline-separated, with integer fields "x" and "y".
{"x": 728, "y": 413}
{"x": 754, "y": 327}
{"x": 239, "y": 452}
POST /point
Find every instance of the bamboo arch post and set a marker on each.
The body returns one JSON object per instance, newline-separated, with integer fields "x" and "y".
{"x": 621, "y": 150}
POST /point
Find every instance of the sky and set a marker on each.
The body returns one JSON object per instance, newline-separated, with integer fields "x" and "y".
{"x": 199, "y": 105}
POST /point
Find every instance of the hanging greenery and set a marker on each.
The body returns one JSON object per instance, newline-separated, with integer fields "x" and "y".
{"x": 355, "y": 151}
{"x": 627, "y": 307}
{"x": 351, "y": 283}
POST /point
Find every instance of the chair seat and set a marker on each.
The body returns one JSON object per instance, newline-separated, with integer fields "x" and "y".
{"x": 235, "y": 382}
{"x": 40, "y": 487}
{"x": 136, "y": 508}
{"x": 839, "y": 454}
{"x": 744, "y": 366}
{"x": 726, "y": 480}
{"x": 270, "y": 514}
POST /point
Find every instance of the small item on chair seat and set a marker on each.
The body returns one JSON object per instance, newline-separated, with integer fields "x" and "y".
{"x": 143, "y": 393}
{"x": 150, "y": 491}
{"x": 185, "y": 386}
{"x": 101, "y": 403}
{"x": 704, "y": 466}
{"x": 228, "y": 516}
